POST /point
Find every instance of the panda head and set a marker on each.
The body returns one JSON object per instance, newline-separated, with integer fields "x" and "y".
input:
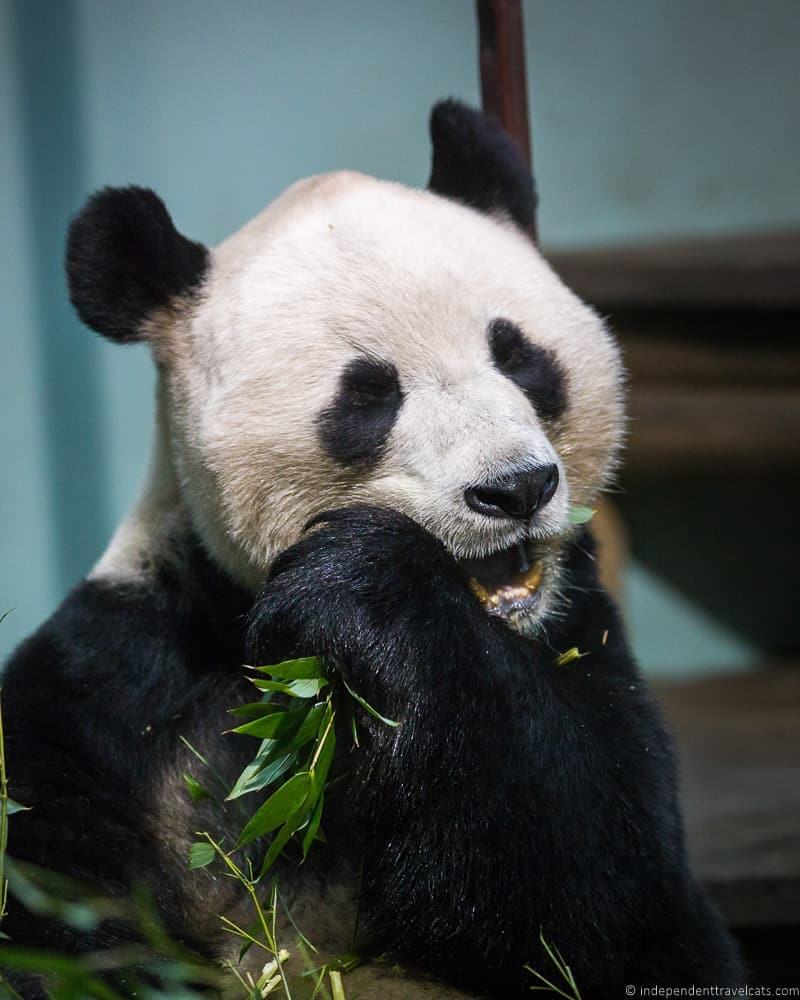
{"x": 364, "y": 342}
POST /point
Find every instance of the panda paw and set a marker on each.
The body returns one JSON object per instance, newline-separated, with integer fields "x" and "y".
{"x": 362, "y": 576}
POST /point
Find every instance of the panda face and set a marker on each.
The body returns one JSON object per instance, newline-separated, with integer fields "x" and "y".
{"x": 362, "y": 342}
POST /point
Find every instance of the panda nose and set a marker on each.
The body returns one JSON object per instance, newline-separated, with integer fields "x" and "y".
{"x": 519, "y": 495}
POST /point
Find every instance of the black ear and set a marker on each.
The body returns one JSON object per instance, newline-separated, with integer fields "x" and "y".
{"x": 125, "y": 258}
{"x": 476, "y": 162}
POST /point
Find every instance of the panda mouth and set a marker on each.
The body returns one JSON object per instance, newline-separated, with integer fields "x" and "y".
{"x": 507, "y": 583}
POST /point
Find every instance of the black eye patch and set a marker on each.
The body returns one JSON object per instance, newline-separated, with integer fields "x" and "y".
{"x": 533, "y": 369}
{"x": 353, "y": 430}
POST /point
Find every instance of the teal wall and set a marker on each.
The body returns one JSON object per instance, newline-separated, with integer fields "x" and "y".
{"x": 651, "y": 117}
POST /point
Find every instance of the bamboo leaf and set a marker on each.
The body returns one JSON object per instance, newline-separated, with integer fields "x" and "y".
{"x": 201, "y": 853}
{"x": 304, "y": 668}
{"x": 196, "y": 790}
{"x": 291, "y": 734}
{"x": 36, "y": 960}
{"x": 366, "y": 705}
{"x": 310, "y": 725}
{"x": 304, "y": 688}
{"x": 203, "y": 760}
{"x": 278, "y": 809}
{"x": 281, "y": 839}
{"x": 259, "y": 774}
{"x": 294, "y": 822}
{"x": 580, "y": 515}
{"x": 325, "y": 750}
{"x": 278, "y": 726}
{"x": 255, "y": 710}
{"x": 313, "y": 826}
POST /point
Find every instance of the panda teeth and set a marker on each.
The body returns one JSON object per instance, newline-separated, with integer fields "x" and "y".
{"x": 509, "y": 596}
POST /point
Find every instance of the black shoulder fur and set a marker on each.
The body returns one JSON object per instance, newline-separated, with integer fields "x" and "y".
{"x": 94, "y": 704}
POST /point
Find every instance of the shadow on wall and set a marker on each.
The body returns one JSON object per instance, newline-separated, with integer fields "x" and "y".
{"x": 45, "y": 35}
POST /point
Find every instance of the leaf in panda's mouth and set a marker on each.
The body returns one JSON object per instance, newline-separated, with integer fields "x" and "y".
{"x": 505, "y": 582}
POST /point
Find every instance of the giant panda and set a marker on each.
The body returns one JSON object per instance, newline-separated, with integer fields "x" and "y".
{"x": 375, "y": 409}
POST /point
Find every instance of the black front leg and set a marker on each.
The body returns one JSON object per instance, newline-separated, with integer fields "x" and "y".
{"x": 517, "y": 797}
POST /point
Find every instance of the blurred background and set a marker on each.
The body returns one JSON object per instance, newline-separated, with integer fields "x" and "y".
{"x": 667, "y": 156}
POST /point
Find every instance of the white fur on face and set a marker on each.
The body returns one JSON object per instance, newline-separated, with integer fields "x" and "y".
{"x": 343, "y": 266}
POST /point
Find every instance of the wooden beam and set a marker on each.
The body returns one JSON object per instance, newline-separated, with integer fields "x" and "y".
{"x": 740, "y": 751}
{"x": 712, "y": 428}
{"x": 757, "y": 270}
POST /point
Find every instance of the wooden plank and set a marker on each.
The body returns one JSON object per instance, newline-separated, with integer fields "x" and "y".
{"x": 755, "y": 270}
{"x": 689, "y": 353}
{"x": 739, "y": 739}
{"x": 712, "y": 427}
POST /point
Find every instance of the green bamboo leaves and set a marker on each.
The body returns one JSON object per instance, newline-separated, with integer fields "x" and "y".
{"x": 294, "y": 722}
{"x": 200, "y": 855}
{"x": 297, "y": 738}
{"x": 580, "y": 515}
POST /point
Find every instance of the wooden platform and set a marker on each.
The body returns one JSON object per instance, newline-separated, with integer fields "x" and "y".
{"x": 739, "y": 738}
{"x": 710, "y": 330}
{"x": 739, "y": 271}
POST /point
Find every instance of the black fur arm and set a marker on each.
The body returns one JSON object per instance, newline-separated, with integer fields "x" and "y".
{"x": 517, "y": 795}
